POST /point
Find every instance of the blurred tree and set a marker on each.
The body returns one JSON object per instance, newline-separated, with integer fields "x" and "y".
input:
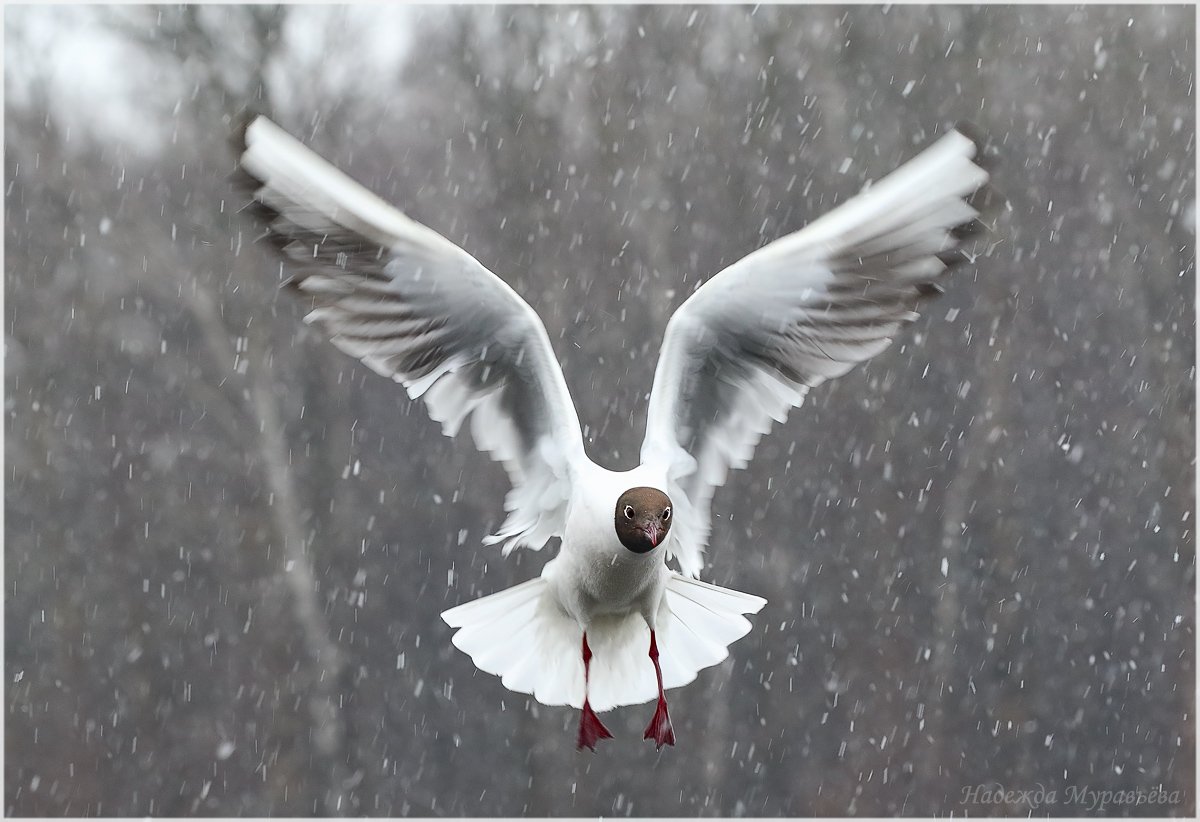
{"x": 228, "y": 545}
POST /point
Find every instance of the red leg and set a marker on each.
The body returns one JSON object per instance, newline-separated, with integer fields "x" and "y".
{"x": 591, "y": 729}
{"x": 659, "y": 729}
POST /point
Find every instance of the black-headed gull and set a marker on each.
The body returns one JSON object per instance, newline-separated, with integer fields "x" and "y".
{"x": 742, "y": 351}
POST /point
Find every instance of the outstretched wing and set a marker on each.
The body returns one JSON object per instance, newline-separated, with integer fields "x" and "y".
{"x": 417, "y": 308}
{"x": 749, "y": 344}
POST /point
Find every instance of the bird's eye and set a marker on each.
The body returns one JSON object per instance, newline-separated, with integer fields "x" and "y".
{"x": 629, "y": 512}
{"x": 666, "y": 514}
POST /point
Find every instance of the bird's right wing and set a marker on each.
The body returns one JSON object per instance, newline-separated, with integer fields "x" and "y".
{"x": 418, "y": 309}
{"x": 749, "y": 344}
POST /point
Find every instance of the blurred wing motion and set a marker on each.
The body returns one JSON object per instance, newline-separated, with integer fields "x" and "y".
{"x": 747, "y": 346}
{"x": 417, "y": 308}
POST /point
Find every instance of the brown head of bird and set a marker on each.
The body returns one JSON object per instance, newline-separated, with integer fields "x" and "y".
{"x": 642, "y": 518}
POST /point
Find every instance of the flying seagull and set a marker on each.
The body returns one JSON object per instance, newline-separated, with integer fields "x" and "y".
{"x": 742, "y": 351}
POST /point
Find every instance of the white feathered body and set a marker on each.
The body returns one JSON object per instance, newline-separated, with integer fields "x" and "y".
{"x": 594, "y": 574}
{"x": 531, "y": 635}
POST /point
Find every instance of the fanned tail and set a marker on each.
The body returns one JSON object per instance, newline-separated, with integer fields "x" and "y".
{"x": 523, "y": 635}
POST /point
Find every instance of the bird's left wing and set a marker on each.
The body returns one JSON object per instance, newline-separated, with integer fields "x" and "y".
{"x": 418, "y": 309}
{"x": 749, "y": 344}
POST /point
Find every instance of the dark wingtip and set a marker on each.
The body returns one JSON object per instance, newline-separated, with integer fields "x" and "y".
{"x": 969, "y": 230}
{"x": 986, "y": 154}
{"x": 952, "y": 258}
{"x": 245, "y": 182}
{"x": 987, "y": 199}
{"x": 930, "y": 289}
{"x": 240, "y": 125}
{"x": 972, "y": 132}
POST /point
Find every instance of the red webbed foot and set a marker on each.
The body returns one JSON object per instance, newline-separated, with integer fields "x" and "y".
{"x": 591, "y": 729}
{"x": 660, "y": 729}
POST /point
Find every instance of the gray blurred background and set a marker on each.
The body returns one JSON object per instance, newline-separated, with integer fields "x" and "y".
{"x": 227, "y": 545}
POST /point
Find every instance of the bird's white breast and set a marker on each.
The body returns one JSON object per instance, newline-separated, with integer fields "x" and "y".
{"x": 594, "y": 573}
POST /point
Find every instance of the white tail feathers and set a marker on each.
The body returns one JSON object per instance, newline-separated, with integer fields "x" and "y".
{"x": 523, "y": 635}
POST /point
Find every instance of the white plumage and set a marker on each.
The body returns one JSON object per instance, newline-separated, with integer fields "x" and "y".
{"x": 737, "y": 357}
{"x": 515, "y": 632}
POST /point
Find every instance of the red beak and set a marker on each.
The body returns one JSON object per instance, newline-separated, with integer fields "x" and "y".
{"x": 652, "y": 531}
